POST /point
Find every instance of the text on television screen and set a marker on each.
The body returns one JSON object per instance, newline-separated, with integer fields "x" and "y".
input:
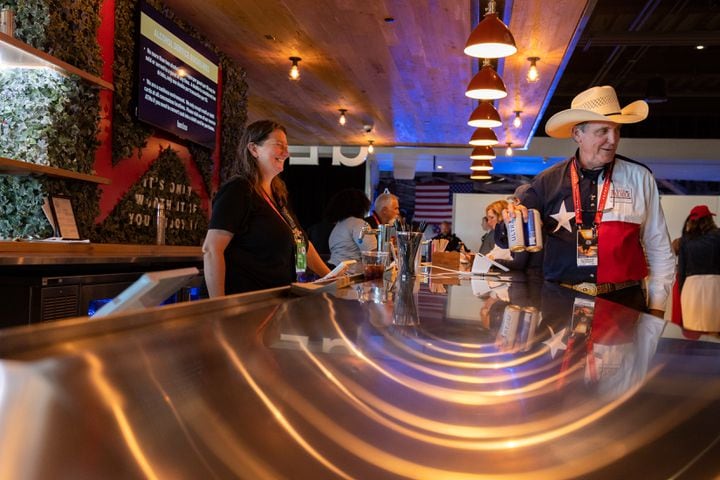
{"x": 178, "y": 84}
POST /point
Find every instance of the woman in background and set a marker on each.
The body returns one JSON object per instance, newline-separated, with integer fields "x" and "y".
{"x": 699, "y": 271}
{"x": 493, "y": 212}
{"x": 254, "y": 241}
{"x": 348, "y": 239}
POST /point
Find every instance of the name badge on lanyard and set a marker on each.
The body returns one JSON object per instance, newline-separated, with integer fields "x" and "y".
{"x": 587, "y": 251}
{"x": 300, "y": 252}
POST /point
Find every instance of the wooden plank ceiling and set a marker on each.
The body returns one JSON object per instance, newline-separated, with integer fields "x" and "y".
{"x": 404, "y": 78}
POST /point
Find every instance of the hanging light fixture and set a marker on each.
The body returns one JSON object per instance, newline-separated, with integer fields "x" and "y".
{"x": 294, "y": 70}
{"x": 486, "y": 84}
{"x": 485, "y": 116}
{"x": 342, "y": 120}
{"x": 482, "y": 153}
{"x": 483, "y": 137}
{"x": 481, "y": 166}
{"x": 491, "y": 38}
{"x": 517, "y": 121}
{"x": 480, "y": 176}
{"x": 371, "y": 148}
{"x": 532, "y": 74}
{"x": 509, "y": 150}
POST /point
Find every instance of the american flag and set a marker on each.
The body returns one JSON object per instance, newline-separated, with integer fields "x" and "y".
{"x": 466, "y": 187}
{"x": 432, "y": 203}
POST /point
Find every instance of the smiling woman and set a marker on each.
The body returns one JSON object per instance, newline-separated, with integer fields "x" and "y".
{"x": 254, "y": 240}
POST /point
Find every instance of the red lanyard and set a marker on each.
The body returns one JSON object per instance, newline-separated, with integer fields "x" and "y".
{"x": 289, "y": 222}
{"x": 577, "y": 203}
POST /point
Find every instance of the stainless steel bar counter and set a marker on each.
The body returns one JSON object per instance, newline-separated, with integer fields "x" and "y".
{"x": 452, "y": 377}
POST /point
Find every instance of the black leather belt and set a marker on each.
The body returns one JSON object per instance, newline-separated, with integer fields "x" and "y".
{"x": 595, "y": 289}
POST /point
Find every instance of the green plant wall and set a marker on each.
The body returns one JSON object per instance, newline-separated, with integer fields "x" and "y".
{"x": 53, "y": 120}
{"x": 50, "y": 119}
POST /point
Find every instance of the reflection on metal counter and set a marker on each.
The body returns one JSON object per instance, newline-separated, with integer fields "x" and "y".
{"x": 512, "y": 379}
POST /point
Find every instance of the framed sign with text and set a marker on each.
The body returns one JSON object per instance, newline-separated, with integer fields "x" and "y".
{"x": 62, "y": 212}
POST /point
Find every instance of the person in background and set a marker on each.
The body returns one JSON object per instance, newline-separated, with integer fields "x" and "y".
{"x": 350, "y": 236}
{"x": 454, "y": 243}
{"x": 253, "y": 238}
{"x": 605, "y": 230}
{"x": 487, "y": 242}
{"x": 385, "y": 210}
{"x": 699, "y": 271}
{"x": 319, "y": 233}
{"x": 493, "y": 212}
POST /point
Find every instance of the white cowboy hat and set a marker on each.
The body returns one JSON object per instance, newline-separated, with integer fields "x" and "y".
{"x": 597, "y": 104}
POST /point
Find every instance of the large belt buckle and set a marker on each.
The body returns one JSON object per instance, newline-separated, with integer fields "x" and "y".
{"x": 587, "y": 288}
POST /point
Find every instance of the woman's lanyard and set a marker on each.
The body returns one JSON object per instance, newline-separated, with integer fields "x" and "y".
{"x": 300, "y": 244}
{"x": 284, "y": 215}
{"x": 577, "y": 203}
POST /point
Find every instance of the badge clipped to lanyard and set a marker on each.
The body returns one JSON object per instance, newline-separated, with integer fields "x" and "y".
{"x": 587, "y": 240}
{"x": 300, "y": 252}
{"x": 587, "y": 236}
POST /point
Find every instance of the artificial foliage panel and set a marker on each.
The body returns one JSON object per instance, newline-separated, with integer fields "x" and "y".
{"x": 128, "y": 134}
{"x": 133, "y": 220}
{"x": 53, "y": 120}
{"x": 234, "y": 115}
{"x": 21, "y": 199}
{"x": 27, "y": 98}
{"x": 50, "y": 119}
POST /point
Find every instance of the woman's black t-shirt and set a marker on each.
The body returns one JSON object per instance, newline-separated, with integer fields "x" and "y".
{"x": 261, "y": 253}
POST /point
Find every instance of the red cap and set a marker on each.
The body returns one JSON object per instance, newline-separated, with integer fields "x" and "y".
{"x": 701, "y": 211}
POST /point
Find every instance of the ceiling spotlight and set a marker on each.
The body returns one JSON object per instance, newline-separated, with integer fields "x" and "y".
{"x": 371, "y": 148}
{"x": 481, "y": 166}
{"x": 532, "y": 74}
{"x": 342, "y": 120}
{"x": 294, "y": 71}
{"x": 699, "y": 47}
{"x": 491, "y": 38}
{"x": 509, "y": 150}
{"x": 485, "y": 116}
{"x": 517, "y": 121}
{"x": 484, "y": 137}
{"x": 486, "y": 84}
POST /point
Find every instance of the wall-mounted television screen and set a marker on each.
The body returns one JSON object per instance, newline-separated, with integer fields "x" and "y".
{"x": 178, "y": 84}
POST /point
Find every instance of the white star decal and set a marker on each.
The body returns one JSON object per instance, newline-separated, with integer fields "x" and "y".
{"x": 555, "y": 342}
{"x": 563, "y": 218}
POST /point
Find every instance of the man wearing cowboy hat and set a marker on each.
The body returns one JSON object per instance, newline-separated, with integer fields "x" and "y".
{"x": 606, "y": 231}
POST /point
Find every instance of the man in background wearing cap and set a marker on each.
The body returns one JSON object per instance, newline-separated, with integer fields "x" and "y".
{"x": 601, "y": 212}
{"x": 699, "y": 271}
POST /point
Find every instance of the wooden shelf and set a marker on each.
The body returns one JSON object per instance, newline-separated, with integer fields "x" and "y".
{"x": 15, "y": 167}
{"x": 46, "y": 253}
{"x": 17, "y": 54}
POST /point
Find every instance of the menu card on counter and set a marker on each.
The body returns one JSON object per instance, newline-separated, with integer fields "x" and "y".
{"x": 63, "y": 218}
